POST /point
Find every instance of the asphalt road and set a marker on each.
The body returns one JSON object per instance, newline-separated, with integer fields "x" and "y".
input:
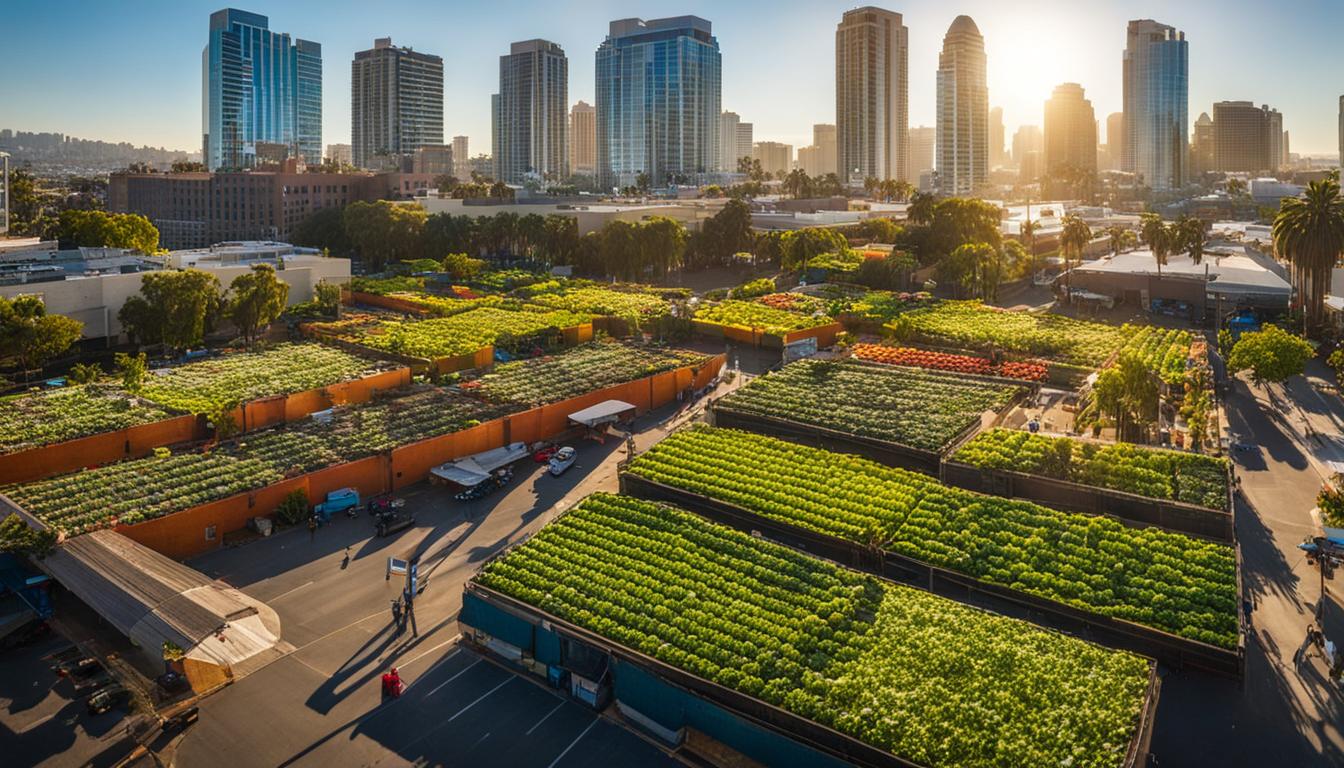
{"x": 321, "y": 704}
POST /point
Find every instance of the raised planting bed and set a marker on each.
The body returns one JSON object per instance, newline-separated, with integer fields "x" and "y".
{"x": 355, "y": 432}
{"x": 54, "y": 416}
{"x": 1186, "y": 492}
{"x": 868, "y": 671}
{"x": 943, "y": 361}
{"x": 447, "y": 337}
{"x": 1163, "y": 350}
{"x": 633, "y": 306}
{"x": 758, "y": 317}
{"x": 230, "y": 379}
{"x": 133, "y": 491}
{"x": 898, "y": 416}
{"x": 585, "y": 368}
{"x": 976, "y": 326}
{"x": 1173, "y": 594}
{"x": 869, "y": 311}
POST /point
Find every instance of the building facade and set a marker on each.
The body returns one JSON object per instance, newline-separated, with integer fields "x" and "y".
{"x": 197, "y": 210}
{"x": 532, "y": 120}
{"x": 734, "y": 141}
{"x": 1156, "y": 79}
{"x": 872, "y": 97}
{"x": 341, "y": 154}
{"x": 4, "y": 193}
{"x": 1070, "y": 130}
{"x": 434, "y": 160}
{"x": 583, "y": 139}
{"x": 1247, "y": 138}
{"x": 258, "y": 86}
{"x": 819, "y": 158}
{"x": 659, "y": 101}
{"x": 775, "y": 158}
{"x": 923, "y": 142}
{"x": 461, "y": 155}
{"x": 396, "y": 104}
{"x": 997, "y": 154}
{"x": 1202, "y": 144}
{"x": 963, "y": 110}
{"x": 1115, "y": 141}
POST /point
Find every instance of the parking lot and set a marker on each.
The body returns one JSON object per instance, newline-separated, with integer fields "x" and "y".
{"x": 44, "y": 721}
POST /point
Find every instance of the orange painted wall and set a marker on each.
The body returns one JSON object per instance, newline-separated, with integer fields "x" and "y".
{"x": 369, "y": 476}
{"x": 182, "y": 534}
{"x": 709, "y": 371}
{"x": 104, "y": 448}
{"x": 411, "y": 463}
{"x": 386, "y": 302}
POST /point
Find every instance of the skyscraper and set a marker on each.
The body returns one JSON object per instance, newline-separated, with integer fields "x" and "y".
{"x": 731, "y": 145}
{"x": 1202, "y": 146}
{"x": 1156, "y": 94}
{"x": 872, "y": 95}
{"x": 1070, "y": 130}
{"x": 1247, "y": 138}
{"x": 963, "y": 110}
{"x": 921, "y": 160}
{"x": 1341, "y": 132}
{"x": 583, "y": 139}
{"x": 258, "y": 86}
{"x": 532, "y": 121}
{"x": 775, "y": 158}
{"x": 461, "y": 158}
{"x": 1273, "y": 139}
{"x": 1028, "y": 147}
{"x": 1115, "y": 140}
{"x": 658, "y": 101}
{"x": 396, "y": 104}
{"x": 996, "y": 137}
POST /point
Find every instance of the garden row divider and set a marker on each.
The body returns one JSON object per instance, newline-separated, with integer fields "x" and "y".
{"x": 1059, "y": 374}
{"x": 758, "y": 337}
{"x": 1171, "y": 649}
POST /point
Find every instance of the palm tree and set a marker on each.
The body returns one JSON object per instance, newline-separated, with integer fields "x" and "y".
{"x": 1309, "y": 233}
{"x": 1117, "y": 235}
{"x": 1153, "y": 232}
{"x": 1028, "y": 230}
{"x": 1236, "y": 188}
{"x": 1192, "y": 237}
{"x": 920, "y": 210}
{"x": 1073, "y": 239}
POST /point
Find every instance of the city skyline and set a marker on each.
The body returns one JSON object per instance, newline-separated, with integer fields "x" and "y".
{"x": 1028, "y": 54}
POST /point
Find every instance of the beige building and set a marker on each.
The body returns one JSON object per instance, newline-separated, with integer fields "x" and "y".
{"x": 95, "y": 299}
{"x": 461, "y": 158}
{"x": 583, "y": 139}
{"x": 1070, "y": 130}
{"x": 434, "y": 160}
{"x": 775, "y": 158}
{"x": 819, "y": 159}
{"x": 734, "y": 141}
{"x": 1202, "y": 146}
{"x": 1246, "y": 138}
{"x": 997, "y": 154}
{"x": 340, "y": 154}
{"x": 590, "y": 218}
{"x": 1115, "y": 140}
{"x": 872, "y": 96}
{"x": 922, "y": 142}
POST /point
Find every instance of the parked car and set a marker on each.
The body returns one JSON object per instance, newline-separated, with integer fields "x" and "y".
{"x": 543, "y": 455}
{"x": 87, "y": 686}
{"x": 497, "y": 479}
{"x": 563, "y": 460}
{"x": 393, "y": 520}
{"x": 107, "y": 698}
{"x": 80, "y": 668}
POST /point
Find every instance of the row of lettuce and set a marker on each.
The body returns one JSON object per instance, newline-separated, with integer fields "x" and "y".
{"x": 133, "y": 491}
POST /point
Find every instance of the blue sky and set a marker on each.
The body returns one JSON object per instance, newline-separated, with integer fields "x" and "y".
{"x": 130, "y": 71}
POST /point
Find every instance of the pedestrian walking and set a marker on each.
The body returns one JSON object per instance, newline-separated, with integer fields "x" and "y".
{"x": 312, "y": 527}
{"x": 396, "y": 613}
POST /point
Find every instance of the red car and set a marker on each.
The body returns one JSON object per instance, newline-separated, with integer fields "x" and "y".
{"x": 544, "y": 455}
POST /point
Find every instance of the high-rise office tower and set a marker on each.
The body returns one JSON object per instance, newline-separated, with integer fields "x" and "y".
{"x": 258, "y": 87}
{"x": 583, "y": 139}
{"x": 1287, "y": 155}
{"x": 730, "y": 149}
{"x": 1202, "y": 144}
{"x": 396, "y": 104}
{"x": 923, "y": 141}
{"x": 1070, "y": 130}
{"x": 1247, "y": 138}
{"x": 461, "y": 158}
{"x": 1115, "y": 140}
{"x": 532, "y": 123}
{"x": 963, "y": 110}
{"x": 495, "y": 135}
{"x": 996, "y": 137}
{"x": 659, "y": 100}
{"x": 1156, "y": 93}
{"x": 824, "y": 139}
{"x": 872, "y": 96}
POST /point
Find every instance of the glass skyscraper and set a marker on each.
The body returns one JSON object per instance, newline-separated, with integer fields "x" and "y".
{"x": 963, "y": 110}
{"x": 259, "y": 87}
{"x": 658, "y": 101}
{"x": 531, "y": 124}
{"x": 1156, "y": 99}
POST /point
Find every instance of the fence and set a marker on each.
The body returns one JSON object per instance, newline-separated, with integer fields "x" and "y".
{"x": 758, "y": 337}
{"x": 1171, "y": 649}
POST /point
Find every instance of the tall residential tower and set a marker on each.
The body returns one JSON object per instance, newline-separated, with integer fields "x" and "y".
{"x": 659, "y": 98}
{"x": 583, "y": 139}
{"x": 1070, "y": 130}
{"x": 963, "y": 110}
{"x": 1156, "y": 95}
{"x": 872, "y": 96}
{"x": 396, "y": 104}
{"x": 532, "y": 117}
{"x": 258, "y": 87}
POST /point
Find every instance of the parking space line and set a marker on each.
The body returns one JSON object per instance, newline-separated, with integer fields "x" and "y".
{"x": 436, "y": 688}
{"x": 291, "y": 591}
{"x": 561, "y": 756}
{"x": 420, "y": 656}
{"x": 481, "y": 698}
{"x": 544, "y": 718}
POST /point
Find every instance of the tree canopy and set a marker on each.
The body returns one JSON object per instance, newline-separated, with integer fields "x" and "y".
{"x": 256, "y": 299}
{"x": 30, "y": 336}
{"x": 1309, "y": 232}
{"x": 174, "y": 308}
{"x": 800, "y": 246}
{"x": 100, "y": 229}
{"x": 1271, "y": 355}
{"x": 383, "y": 232}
